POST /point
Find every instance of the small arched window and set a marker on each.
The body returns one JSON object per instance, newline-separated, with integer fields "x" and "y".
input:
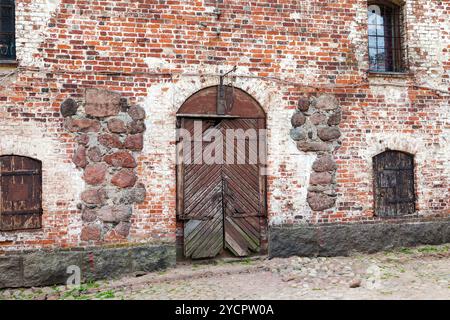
{"x": 20, "y": 193}
{"x": 386, "y": 36}
{"x": 7, "y": 31}
{"x": 394, "y": 184}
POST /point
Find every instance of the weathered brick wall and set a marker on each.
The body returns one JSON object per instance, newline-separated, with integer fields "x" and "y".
{"x": 157, "y": 53}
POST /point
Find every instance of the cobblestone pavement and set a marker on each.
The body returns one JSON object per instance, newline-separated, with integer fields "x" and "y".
{"x": 420, "y": 273}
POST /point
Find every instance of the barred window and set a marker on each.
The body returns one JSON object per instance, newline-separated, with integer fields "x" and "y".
{"x": 7, "y": 30}
{"x": 386, "y": 37}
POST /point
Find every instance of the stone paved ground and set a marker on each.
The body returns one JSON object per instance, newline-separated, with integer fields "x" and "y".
{"x": 420, "y": 273}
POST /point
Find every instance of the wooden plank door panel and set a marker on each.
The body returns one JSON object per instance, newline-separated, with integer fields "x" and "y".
{"x": 222, "y": 205}
{"x": 394, "y": 184}
{"x": 242, "y": 209}
{"x": 203, "y": 238}
{"x": 242, "y": 235}
{"x": 201, "y": 202}
{"x": 203, "y": 189}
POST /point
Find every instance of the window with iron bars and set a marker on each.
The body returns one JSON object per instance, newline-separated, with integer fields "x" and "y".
{"x": 387, "y": 47}
{"x": 7, "y": 30}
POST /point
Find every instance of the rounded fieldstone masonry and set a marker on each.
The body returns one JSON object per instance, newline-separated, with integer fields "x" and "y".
{"x": 134, "y": 142}
{"x": 136, "y": 127}
{"x": 326, "y": 102}
{"x": 94, "y": 174}
{"x": 324, "y": 163}
{"x": 125, "y": 178}
{"x": 123, "y": 229}
{"x": 298, "y": 119}
{"x": 102, "y": 103}
{"x": 103, "y": 127}
{"x": 328, "y": 133}
{"x": 298, "y": 134}
{"x": 121, "y": 159}
{"x": 83, "y": 139}
{"x": 136, "y": 113}
{"x": 69, "y": 108}
{"x": 303, "y": 104}
{"x": 89, "y": 215}
{"x": 95, "y": 154}
{"x": 335, "y": 118}
{"x": 115, "y": 214}
{"x": 321, "y": 178}
{"x": 319, "y": 201}
{"x": 79, "y": 158}
{"x": 117, "y": 126}
{"x": 318, "y": 118}
{"x": 130, "y": 195}
{"x": 82, "y": 125}
{"x": 110, "y": 141}
{"x": 94, "y": 196}
{"x": 312, "y": 146}
{"x": 315, "y": 129}
{"x": 91, "y": 233}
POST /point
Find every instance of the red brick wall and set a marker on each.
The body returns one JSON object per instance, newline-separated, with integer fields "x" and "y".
{"x": 158, "y": 53}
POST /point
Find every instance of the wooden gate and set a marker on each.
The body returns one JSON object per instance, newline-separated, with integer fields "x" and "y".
{"x": 394, "y": 184}
{"x": 222, "y": 205}
{"x": 20, "y": 193}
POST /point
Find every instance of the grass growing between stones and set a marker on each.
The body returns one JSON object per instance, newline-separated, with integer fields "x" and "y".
{"x": 105, "y": 295}
{"x": 434, "y": 249}
{"x": 80, "y": 293}
{"x": 418, "y": 250}
{"x": 406, "y": 250}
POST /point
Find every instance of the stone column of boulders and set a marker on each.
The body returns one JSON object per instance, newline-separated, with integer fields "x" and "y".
{"x": 316, "y": 129}
{"x": 109, "y": 135}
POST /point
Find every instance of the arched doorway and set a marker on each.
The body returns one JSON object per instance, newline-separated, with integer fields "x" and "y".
{"x": 221, "y": 183}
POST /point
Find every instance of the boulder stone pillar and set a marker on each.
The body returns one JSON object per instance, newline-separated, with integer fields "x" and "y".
{"x": 109, "y": 136}
{"x": 315, "y": 128}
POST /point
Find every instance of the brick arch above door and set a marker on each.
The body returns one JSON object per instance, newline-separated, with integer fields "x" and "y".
{"x": 238, "y": 102}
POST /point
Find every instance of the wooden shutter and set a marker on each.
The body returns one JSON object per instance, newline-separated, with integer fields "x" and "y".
{"x": 20, "y": 193}
{"x": 394, "y": 184}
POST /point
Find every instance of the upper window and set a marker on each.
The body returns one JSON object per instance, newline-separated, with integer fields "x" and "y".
{"x": 7, "y": 30}
{"x": 20, "y": 193}
{"x": 386, "y": 51}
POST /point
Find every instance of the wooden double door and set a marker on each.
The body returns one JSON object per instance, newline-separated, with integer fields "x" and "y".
{"x": 222, "y": 200}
